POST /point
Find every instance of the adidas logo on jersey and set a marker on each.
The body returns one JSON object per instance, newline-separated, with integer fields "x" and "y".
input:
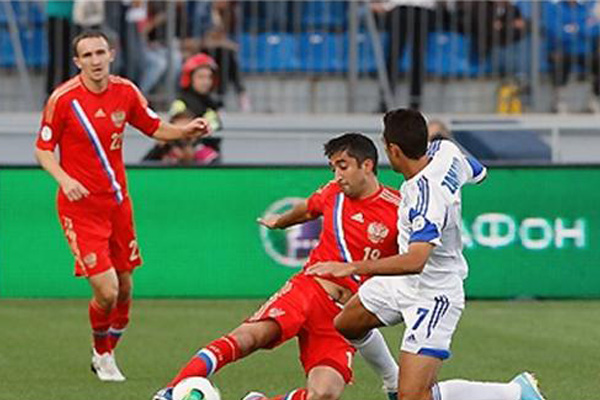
{"x": 358, "y": 218}
{"x": 411, "y": 338}
{"x": 100, "y": 113}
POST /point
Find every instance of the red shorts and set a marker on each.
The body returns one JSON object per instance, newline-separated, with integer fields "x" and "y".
{"x": 302, "y": 308}
{"x": 100, "y": 233}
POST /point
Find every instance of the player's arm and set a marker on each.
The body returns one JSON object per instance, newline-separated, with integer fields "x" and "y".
{"x": 410, "y": 263}
{"x": 70, "y": 187}
{"x": 476, "y": 171}
{"x": 196, "y": 128}
{"x": 297, "y": 215}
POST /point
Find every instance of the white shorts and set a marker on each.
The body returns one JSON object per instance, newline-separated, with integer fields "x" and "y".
{"x": 431, "y": 318}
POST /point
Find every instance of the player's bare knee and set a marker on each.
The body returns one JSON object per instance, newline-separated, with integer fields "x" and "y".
{"x": 324, "y": 392}
{"x": 107, "y": 296}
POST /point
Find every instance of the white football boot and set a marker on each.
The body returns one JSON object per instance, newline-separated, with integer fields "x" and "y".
{"x": 254, "y": 396}
{"x": 105, "y": 367}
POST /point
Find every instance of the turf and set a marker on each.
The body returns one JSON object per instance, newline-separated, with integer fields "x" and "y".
{"x": 45, "y": 349}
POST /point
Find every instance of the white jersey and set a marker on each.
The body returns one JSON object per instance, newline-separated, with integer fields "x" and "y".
{"x": 431, "y": 212}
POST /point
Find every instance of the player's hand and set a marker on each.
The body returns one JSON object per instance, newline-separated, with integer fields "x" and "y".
{"x": 331, "y": 269}
{"x": 378, "y": 7}
{"x": 270, "y": 221}
{"x": 198, "y": 127}
{"x": 73, "y": 189}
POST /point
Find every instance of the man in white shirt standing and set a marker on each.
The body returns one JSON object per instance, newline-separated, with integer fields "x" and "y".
{"x": 422, "y": 286}
{"x": 408, "y": 22}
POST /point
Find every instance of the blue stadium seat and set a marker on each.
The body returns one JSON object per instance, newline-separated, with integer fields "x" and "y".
{"x": 269, "y": 16}
{"x": 7, "y": 55}
{"x": 26, "y": 13}
{"x": 366, "y": 53}
{"x": 269, "y": 52}
{"x": 448, "y": 55}
{"x": 3, "y": 16}
{"x": 570, "y": 27}
{"x": 525, "y": 8}
{"x": 33, "y": 43}
{"x": 35, "y": 48}
{"x": 326, "y": 14}
{"x": 322, "y": 52}
{"x": 36, "y": 13}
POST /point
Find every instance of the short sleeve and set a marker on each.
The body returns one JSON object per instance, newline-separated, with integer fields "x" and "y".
{"x": 51, "y": 126}
{"x": 428, "y": 214}
{"x": 316, "y": 202}
{"x": 141, "y": 116}
{"x": 476, "y": 172}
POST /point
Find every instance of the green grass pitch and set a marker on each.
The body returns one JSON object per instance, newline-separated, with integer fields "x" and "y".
{"x": 45, "y": 349}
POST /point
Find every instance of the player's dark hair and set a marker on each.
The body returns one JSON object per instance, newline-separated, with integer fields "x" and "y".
{"x": 357, "y": 145}
{"x": 94, "y": 33}
{"x": 408, "y": 130}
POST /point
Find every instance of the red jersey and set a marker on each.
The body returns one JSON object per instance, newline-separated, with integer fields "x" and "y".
{"x": 354, "y": 229}
{"x": 88, "y": 128}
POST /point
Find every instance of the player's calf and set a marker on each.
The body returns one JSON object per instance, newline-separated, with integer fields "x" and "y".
{"x": 209, "y": 359}
{"x": 255, "y": 335}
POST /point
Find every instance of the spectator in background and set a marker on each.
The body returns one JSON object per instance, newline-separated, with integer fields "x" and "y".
{"x": 408, "y": 22}
{"x": 156, "y": 47}
{"x": 497, "y": 30}
{"x": 89, "y": 14}
{"x": 436, "y": 129}
{"x": 60, "y": 31}
{"x": 178, "y": 152}
{"x": 573, "y": 33}
{"x": 199, "y": 78}
{"x": 135, "y": 13}
{"x": 219, "y": 22}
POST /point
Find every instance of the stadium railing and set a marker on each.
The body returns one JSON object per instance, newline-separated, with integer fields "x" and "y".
{"x": 313, "y": 41}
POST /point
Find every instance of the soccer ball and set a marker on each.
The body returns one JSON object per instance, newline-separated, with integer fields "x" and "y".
{"x": 196, "y": 389}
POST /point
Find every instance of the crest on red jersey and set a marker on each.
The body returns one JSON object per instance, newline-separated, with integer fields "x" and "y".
{"x": 276, "y": 312}
{"x": 377, "y": 232}
{"x": 118, "y": 118}
{"x": 90, "y": 260}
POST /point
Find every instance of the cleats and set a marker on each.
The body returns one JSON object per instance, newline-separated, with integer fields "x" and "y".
{"x": 163, "y": 394}
{"x": 254, "y": 396}
{"x": 529, "y": 386}
{"x": 105, "y": 367}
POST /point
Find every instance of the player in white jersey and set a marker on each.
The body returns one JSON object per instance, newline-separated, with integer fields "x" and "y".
{"x": 422, "y": 286}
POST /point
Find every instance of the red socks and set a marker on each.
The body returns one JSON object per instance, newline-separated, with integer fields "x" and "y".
{"x": 100, "y": 321}
{"x": 119, "y": 318}
{"x": 298, "y": 394}
{"x": 210, "y": 359}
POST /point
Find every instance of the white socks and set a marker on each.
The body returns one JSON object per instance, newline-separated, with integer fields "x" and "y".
{"x": 375, "y": 351}
{"x": 457, "y": 389}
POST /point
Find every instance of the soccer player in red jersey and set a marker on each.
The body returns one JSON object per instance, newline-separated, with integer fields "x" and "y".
{"x": 86, "y": 117}
{"x": 359, "y": 222}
